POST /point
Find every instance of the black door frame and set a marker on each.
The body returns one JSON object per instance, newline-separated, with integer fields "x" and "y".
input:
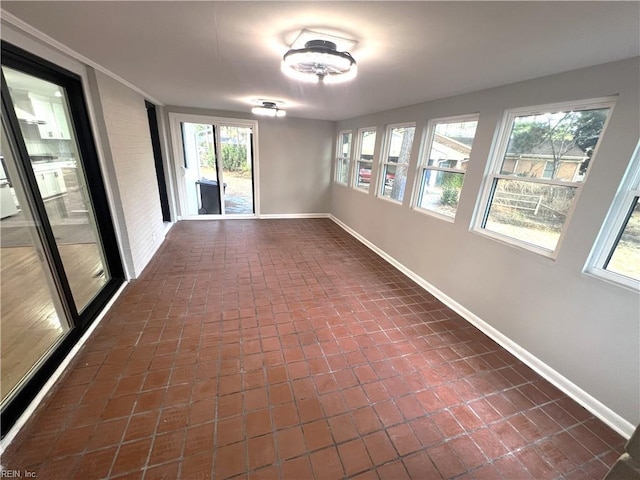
{"x": 157, "y": 157}
{"x": 19, "y": 59}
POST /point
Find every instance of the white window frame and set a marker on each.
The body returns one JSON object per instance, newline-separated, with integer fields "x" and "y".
{"x": 614, "y": 224}
{"x": 498, "y": 154}
{"x": 357, "y": 160}
{"x": 384, "y": 163}
{"x": 424, "y": 161}
{"x": 340, "y": 158}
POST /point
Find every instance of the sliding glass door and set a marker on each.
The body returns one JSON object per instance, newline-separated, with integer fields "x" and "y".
{"x": 55, "y": 162}
{"x": 236, "y": 152}
{"x": 217, "y": 166}
{"x": 32, "y": 318}
{"x": 60, "y": 263}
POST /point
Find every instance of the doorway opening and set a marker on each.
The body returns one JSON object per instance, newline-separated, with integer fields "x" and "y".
{"x": 217, "y": 167}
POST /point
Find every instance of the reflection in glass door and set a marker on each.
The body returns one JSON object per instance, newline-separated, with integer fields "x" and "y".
{"x": 43, "y": 115}
{"x": 201, "y": 169}
{"x": 32, "y": 319}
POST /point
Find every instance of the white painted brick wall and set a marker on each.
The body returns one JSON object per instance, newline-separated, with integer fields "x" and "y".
{"x": 129, "y": 141}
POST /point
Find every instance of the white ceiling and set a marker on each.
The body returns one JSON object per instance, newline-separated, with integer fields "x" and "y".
{"x": 220, "y": 55}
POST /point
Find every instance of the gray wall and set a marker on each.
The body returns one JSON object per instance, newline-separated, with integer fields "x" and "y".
{"x": 294, "y": 161}
{"x": 586, "y": 329}
{"x": 124, "y": 130}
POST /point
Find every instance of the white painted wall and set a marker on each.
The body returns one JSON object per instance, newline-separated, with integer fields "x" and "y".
{"x": 294, "y": 161}
{"x": 124, "y": 128}
{"x": 584, "y": 328}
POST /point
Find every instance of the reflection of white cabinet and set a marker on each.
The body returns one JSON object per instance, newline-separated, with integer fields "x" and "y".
{"x": 53, "y": 114}
{"x": 61, "y": 120}
{"x": 50, "y": 181}
{"x": 7, "y": 203}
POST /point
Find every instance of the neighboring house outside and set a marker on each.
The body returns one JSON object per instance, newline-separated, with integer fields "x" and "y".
{"x": 540, "y": 164}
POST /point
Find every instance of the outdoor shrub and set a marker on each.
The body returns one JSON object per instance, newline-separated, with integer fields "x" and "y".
{"x": 234, "y": 157}
{"x": 451, "y": 185}
{"x": 449, "y": 196}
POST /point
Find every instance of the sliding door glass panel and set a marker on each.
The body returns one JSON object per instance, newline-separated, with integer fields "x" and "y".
{"x": 237, "y": 169}
{"x": 47, "y": 129}
{"x": 32, "y": 320}
{"x": 200, "y": 169}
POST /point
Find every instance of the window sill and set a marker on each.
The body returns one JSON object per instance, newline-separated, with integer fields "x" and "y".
{"x": 390, "y": 200}
{"x": 614, "y": 279}
{"x": 512, "y": 242}
{"x": 431, "y": 213}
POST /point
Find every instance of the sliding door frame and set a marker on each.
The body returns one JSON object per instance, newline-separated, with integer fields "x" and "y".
{"x": 28, "y": 63}
{"x": 175, "y": 121}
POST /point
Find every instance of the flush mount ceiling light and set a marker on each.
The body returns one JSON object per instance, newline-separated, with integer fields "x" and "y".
{"x": 268, "y": 109}
{"x": 319, "y": 61}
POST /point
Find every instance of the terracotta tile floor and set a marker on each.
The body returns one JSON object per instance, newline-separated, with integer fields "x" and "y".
{"x": 284, "y": 349}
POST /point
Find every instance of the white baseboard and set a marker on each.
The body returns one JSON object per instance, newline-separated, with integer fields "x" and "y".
{"x": 167, "y": 227}
{"x": 271, "y": 216}
{"x": 218, "y": 218}
{"x": 53, "y": 379}
{"x": 604, "y": 413}
{"x": 262, "y": 216}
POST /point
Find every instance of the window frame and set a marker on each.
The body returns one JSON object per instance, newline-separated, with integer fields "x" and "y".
{"x": 340, "y": 158}
{"x": 424, "y": 161}
{"x": 613, "y": 226}
{"x": 357, "y": 160}
{"x": 383, "y": 163}
{"x": 497, "y": 156}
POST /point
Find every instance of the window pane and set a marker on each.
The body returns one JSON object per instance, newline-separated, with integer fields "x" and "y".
{"x": 345, "y": 145}
{"x": 343, "y": 158}
{"x": 553, "y": 145}
{"x": 364, "y": 175}
{"x": 343, "y": 170}
{"x": 625, "y": 259}
{"x": 441, "y": 191}
{"x": 365, "y": 162}
{"x": 400, "y": 142}
{"x": 367, "y": 144}
{"x": 530, "y": 212}
{"x": 395, "y": 181}
{"x": 399, "y": 151}
{"x": 451, "y": 145}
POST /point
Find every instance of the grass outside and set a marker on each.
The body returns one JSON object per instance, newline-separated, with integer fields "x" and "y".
{"x": 625, "y": 260}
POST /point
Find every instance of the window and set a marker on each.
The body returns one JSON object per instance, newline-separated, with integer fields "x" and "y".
{"x": 343, "y": 157}
{"x": 366, "y": 146}
{"x": 548, "y": 170}
{"x": 395, "y": 165}
{"x": 444, "y": 163}
{"x": 540, "y": 161}
{"x": 616, "y": 255}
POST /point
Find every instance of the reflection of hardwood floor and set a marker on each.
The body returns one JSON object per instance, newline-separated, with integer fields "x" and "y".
{"x": 83, "y": 265}
{"x": 29, "y": 324}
